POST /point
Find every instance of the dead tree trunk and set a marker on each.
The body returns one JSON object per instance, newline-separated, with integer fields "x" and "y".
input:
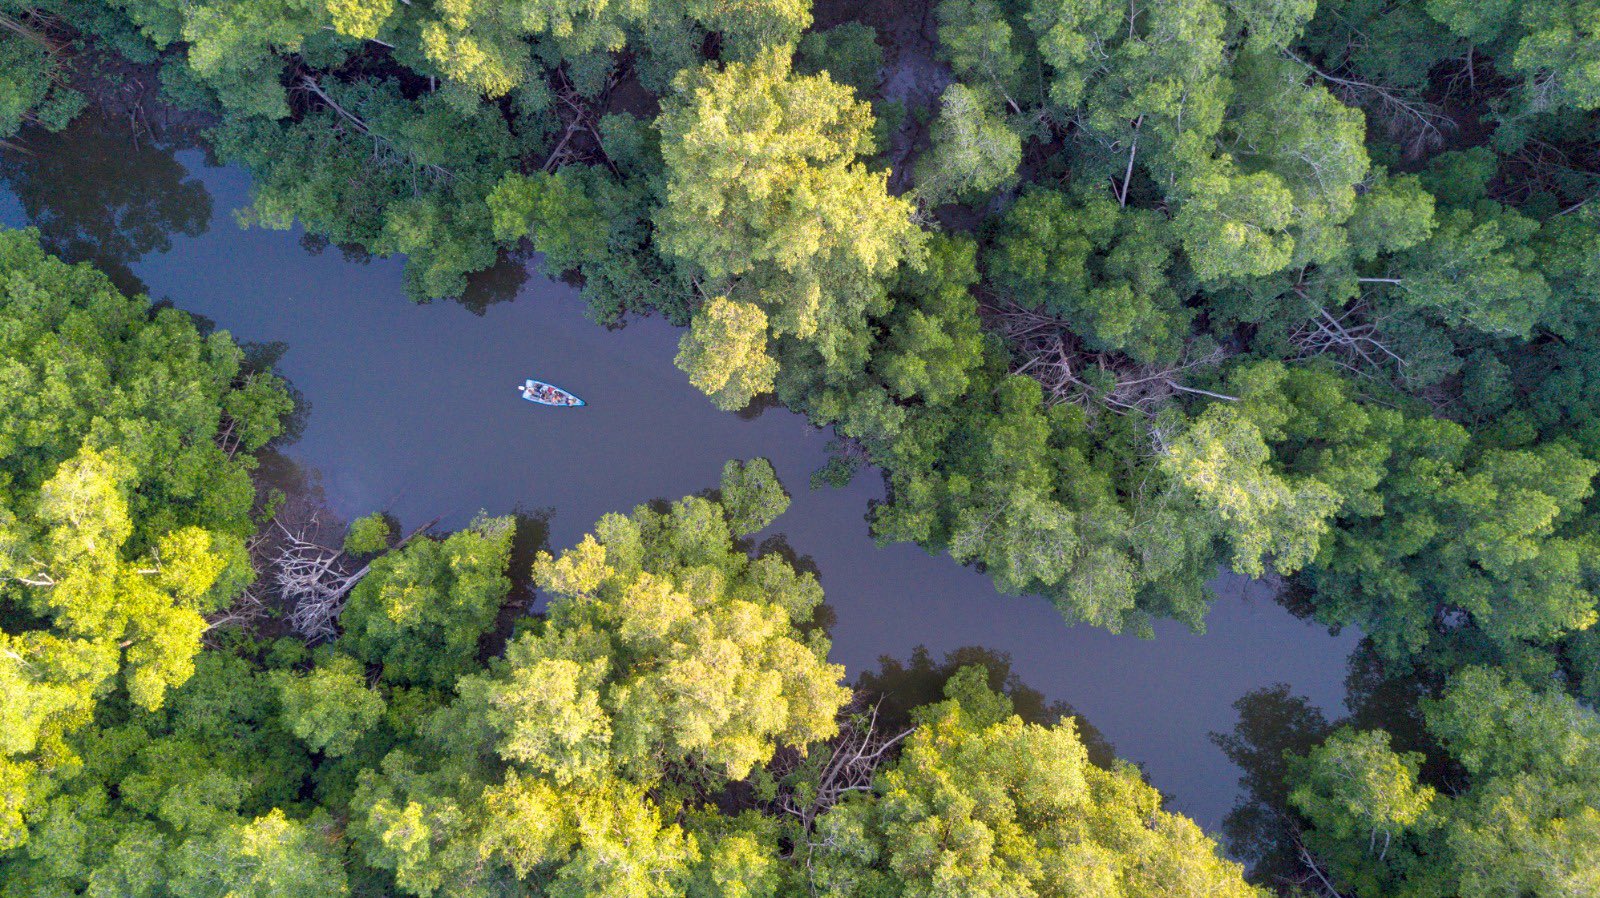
{"x": 314, "y": 581}
{"x": 854, "y": 756}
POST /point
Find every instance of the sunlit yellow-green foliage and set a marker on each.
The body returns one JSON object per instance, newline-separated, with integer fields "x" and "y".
{"x": 725, "y": 353}
{"x": 122, "y": 518}
{"x": 666, "y": 652}
{"x": 330, "y": 706}
{"x": 666, "y": 643}
{"x": 483, "y": 48}
{"x": 421, "y": 610}
{"x": 766, "y": 196}
{"x": 982, "y": 804}
{"x": 1519, "y": 820}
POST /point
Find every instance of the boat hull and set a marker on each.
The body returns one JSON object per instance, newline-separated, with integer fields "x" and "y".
{"x": 540, "y": 393}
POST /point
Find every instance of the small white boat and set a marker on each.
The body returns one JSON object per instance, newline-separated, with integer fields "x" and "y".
{"x": 548, "y": 394}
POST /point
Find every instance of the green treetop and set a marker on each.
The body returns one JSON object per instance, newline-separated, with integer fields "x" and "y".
{"x": 668, "y": 658}
{"x": 765, "y": 197}
{"x": 32, "y": 86}
{"x": 422, "y": 609}
{"x": 1517, "y": 816}
{"x": 982, "y": 804}
{"x": 124, "y": 506}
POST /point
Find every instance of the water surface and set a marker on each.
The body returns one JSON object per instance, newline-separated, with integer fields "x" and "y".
{"x": 413, "y": 410}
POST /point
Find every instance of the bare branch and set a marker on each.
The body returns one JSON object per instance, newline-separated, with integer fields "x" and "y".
{"x": 1417, "y": 124}
{"x": 1048, "y": 351}
{"x": 311, "y": 84}
{"x": 853, "y": 759}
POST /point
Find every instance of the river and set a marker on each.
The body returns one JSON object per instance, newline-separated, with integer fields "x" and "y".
{"x": 412, "y": 409}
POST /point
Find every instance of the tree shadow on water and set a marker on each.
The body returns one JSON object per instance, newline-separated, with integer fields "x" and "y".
{"x": 778, "y": 543}
{"x": 906, "y": 685}
{"x": 496, "y": 284}
{"x": 531, "y": 537}
{"x": 824, "y": 617}
{"x": 758, "y": 406}
{"x": 97, "y": 194}
{"x": 1261, "y": 830}
{"x": 263, "y": 357}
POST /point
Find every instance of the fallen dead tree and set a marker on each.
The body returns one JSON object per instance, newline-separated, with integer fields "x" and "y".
{"x": 1043, "y": 348}
{"x": 1352, "y": 339}
{"x": 847, "y": 763}
{"x": 313, "y": 580}
{"x": 1417, "y": 125}
{"x": 581, "y": 117}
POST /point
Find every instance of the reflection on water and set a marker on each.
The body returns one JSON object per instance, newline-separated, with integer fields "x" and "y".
{"x": 97, "y": 195}
{"x": 531, "y": 537}
{"x": 499, "y": 283}
{"x": 1380, "y": 700}
{"x": 918, "y": 681}
{"x": 1259, "y": 830}
{"x": 414, "y": 412}
{"x": 1273, "y": 722}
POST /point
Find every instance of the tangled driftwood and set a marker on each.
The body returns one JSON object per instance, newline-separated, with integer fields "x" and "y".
{"x": 312, "y": 581}
{"x": 1045, "y": 349}
{"x": 1352, "y": 339}
{"x": 852, "y": 757}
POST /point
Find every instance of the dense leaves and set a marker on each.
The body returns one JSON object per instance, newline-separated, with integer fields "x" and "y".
{"x": 1522, "y": 821}
{"x": 124, "y": 506}
{"x": 981, "y": 803}
{"x": 421, "y": 610}
{"x": 32, "y": 85}
{"x": 766, "y": 197}
{"x": 1111, "y": 292}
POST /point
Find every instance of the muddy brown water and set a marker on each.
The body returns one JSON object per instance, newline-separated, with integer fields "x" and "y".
{"x": 413, "y": 409}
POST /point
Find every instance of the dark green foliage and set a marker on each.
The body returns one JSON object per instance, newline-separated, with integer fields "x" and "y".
{"x": 367, "y": 535}
{"x": 1518, "y": 816}
{"x": 1403, "y": 523}
{"x": 1110, "y": 272}
{"x": 932, "y": 340}
{"x": 32, "y": 88}
{"x": 420, "y": 612}
{"x": 389, "y": 175}
{"x": 751, "y": 496}
{"x": 849, "y": 53}
{"x": 124, "y": 504}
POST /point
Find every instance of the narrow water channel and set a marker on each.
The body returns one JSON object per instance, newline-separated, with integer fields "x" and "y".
{"x": 412, "y": 409}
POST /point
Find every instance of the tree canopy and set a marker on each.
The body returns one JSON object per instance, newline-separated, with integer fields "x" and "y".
{"x": 1111, "y": 294}
{"x": 124, "y": 507}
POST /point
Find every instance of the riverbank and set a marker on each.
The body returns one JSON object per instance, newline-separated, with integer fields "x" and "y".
{"x": 412, "y": 411}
